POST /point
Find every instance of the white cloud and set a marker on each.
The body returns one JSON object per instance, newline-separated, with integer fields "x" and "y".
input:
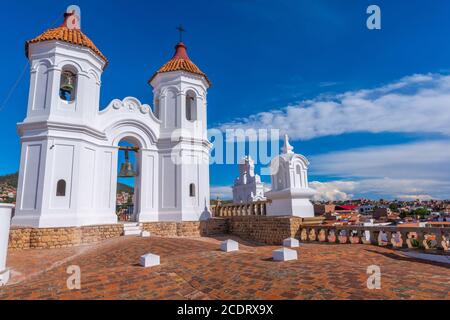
{"x": 398, "y": 171}
{"x": 418, "y": 103}
{"x": 328, "y": 84}
{"x": 222, "y": 192}
{"x": 421, "y": 197}
{"x": 405, "y": 188}
{"x": 333, "y": 191}
{"x": 421, "y": 160}
{"x": 380, "y": 188}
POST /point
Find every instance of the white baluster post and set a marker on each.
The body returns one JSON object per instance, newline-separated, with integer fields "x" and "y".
{"x": 5, "y": 222}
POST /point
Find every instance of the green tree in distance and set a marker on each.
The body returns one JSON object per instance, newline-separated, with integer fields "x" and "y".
{"x": 421, "y": 212}
{"x": 393, "y": 207}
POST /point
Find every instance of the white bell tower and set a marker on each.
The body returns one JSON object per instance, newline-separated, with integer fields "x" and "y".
{"x": 180, "y": 91}
{"x": 66, "y": 68}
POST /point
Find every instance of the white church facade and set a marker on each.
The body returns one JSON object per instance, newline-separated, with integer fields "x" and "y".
{"x": 70, "y": 148}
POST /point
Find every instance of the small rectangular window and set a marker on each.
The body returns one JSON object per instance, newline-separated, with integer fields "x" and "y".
{"x": 192, "y": 190}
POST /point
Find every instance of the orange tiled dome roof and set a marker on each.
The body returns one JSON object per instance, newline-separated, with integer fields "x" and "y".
{"x": 63, "y": 33}
{"x": 180, "y": 62}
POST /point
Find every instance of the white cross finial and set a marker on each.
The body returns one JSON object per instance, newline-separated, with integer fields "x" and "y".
{"x": 287, "y": 148}
{"x": 73, "y": 17}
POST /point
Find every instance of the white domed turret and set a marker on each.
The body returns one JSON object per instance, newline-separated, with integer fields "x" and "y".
{"x": 290, "y": 192}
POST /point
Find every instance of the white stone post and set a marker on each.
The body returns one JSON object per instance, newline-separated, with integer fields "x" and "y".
{"x": 5, "y": 222}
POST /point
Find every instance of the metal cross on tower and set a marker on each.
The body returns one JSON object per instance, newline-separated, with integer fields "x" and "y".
{"x": 181, "y": 29}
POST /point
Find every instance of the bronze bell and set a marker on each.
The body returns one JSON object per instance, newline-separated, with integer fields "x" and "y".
{"x": 126, "y": 170}
{"x": 68, "y": 81}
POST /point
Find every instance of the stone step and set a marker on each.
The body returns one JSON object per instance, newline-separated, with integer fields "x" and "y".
{"x": 132, "y": 224}
{"x": 132, "y": 233}
{"x": 132, "y": 228}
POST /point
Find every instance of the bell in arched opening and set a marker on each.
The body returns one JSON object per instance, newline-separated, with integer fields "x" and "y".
{"x": 126, "y": 170}
{"x": 67, "y": 88}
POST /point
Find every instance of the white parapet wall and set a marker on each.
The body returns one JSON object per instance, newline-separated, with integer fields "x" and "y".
{"x": 291, "y": 202}
{"x": 5, "y": 223}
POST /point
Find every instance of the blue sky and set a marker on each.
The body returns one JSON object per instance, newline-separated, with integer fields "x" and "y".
{"x": 369, "y": 108}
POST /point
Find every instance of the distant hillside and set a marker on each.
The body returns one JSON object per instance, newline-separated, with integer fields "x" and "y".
{"x": 124, "y": 188}
{"x": 12, "y": 180}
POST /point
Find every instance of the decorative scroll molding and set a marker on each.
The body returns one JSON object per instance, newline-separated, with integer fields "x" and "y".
{"x": 131, "y": 104}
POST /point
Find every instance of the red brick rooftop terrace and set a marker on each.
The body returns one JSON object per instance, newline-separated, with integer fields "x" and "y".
{"x": 194, "y": 268}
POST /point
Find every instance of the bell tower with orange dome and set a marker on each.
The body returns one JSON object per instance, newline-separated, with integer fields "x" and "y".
{"x": 180, "y": 99}
{"x": 60, "y": 133}
{"x": 66, "y": 69}
{"x": 180, "y": 78}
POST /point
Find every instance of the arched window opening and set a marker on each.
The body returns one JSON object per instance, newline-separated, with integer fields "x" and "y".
{"x": 68, "y": 86}
{"x": 192, "y": 191}
{"x": 299, "y": 170}
{"x": 157, "y": 110}
{"x": 191, "y": 106}
{"x": 280, "y": 181}
{"x": 61, "y": 188}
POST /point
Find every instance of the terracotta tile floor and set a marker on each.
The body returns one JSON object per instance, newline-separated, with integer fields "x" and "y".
{"x": 196, "y": 269}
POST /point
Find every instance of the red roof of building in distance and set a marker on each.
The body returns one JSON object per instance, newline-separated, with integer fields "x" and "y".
{"x": 408, "y": 225}
{"x": 346, "y": 207}
{"x": 437, "y": 223}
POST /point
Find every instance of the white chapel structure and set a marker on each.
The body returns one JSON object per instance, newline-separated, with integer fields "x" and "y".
{"x": 69, "y": 156}
{"x": 290, "y": 194}
{"x": 247, "y": 187}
